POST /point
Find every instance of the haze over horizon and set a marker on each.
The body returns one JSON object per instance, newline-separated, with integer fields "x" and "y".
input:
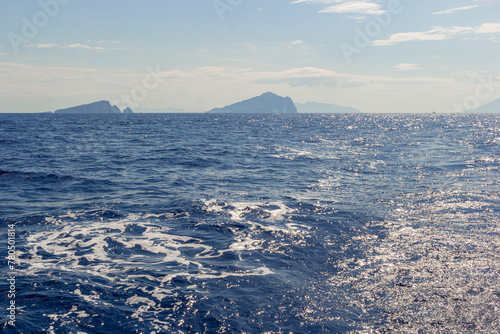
{"x": 375, "y": 56}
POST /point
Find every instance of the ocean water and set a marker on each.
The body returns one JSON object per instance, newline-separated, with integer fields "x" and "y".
{"x": 205, "y": 223}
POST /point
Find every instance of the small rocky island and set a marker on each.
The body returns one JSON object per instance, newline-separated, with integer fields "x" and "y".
{"x": 100, "y": 107}
{"x": 265, "y": 103}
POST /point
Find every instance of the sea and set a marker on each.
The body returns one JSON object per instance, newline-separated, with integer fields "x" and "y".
{"x": 250, "y": 223}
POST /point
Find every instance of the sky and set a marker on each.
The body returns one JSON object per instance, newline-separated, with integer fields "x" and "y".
{"x": 384, "y": 56}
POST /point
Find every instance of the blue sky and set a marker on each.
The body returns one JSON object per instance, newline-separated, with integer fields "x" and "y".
{"x": 377, "y": 56}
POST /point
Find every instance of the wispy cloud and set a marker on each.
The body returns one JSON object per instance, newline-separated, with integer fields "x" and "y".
{"x": 313, "y": 77}
{"x": 438, "y": 34}
{"x": 407, "y": 67}
{"x": 355, "y": 7}
{"x": 106, "y": 42}
{"x": 83, "y": 46}
{"x": 70, "y": 46}
{"x": 360, "y": 7}
{"x": 297, "y": 42}
{"x": 42, "y": 46}
{"x": 453, "y": 10}
{"x": 468, "y": 73}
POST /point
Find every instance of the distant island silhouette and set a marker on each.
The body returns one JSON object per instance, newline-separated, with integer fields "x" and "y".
{"x": 263, "y": 104}
{"x": 324, "y": 108}
{"x": 100, "y": 107}
{"x": 490, "y": 108}
{"x": 267, "y": 103}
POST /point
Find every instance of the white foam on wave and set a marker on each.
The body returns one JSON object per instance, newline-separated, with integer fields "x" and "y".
{"x": 115, "y": 249}
{"x": 258, "y": 218}
{"x": 65, "y": 242}
{"x": 269, "y": 212}
{"x": 124, "y": 252}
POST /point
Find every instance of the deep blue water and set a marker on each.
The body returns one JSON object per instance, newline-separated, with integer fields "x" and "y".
{"x": 252, "y": 223}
